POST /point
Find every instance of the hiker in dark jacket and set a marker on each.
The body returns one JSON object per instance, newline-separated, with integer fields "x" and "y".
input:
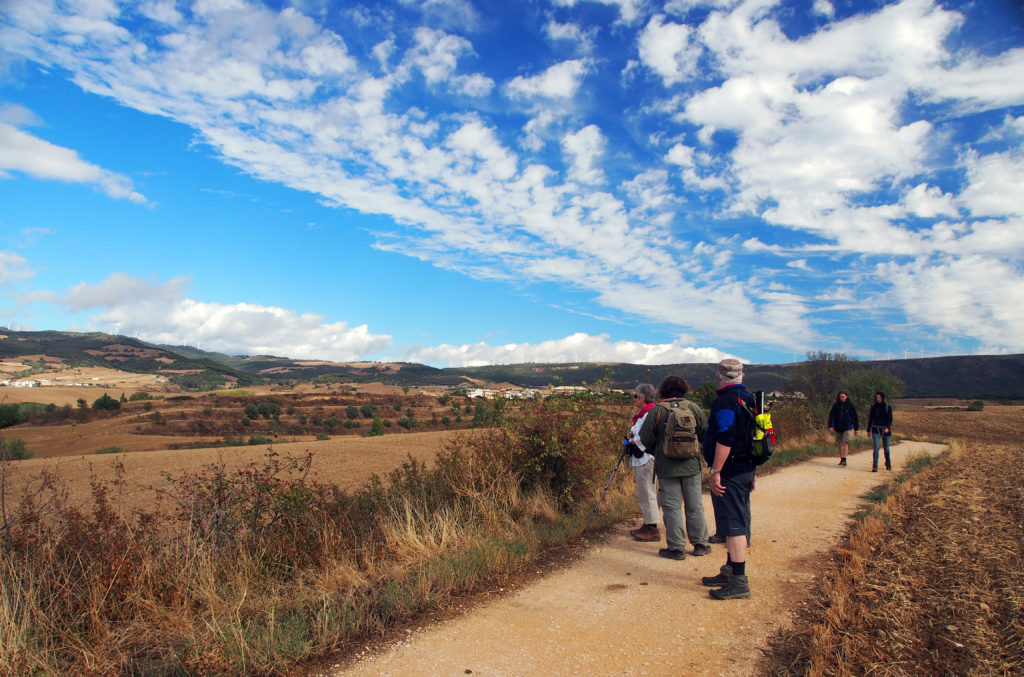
{"x": 880, "y": 427}
{"x": 732, "y": 478}
{"x": 842, "y": 420}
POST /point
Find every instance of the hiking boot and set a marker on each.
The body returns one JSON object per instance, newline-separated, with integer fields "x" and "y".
{"x": 888, "y": 466}
{"x": 701, "y": 549}
{"x": 874, "y": 468}
{"x": 720, "y": 580}
{"x": 717, "y": 538}
{"x": 648, "y": 533}
{"x": 737, "y": 587}
{"x": 672, "y": 553}
{"x": 842, "y": 462}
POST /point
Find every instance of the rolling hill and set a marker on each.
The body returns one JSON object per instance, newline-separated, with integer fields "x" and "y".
{"x": 966, "y": 376}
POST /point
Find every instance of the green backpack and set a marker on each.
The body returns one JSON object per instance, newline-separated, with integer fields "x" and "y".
{"x": 684, "y": 429}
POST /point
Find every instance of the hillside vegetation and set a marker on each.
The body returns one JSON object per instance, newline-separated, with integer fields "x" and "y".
{"x": 970, "y": 376}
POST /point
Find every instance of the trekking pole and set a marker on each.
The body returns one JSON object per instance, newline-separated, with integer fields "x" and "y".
{"x": 614, "y": 470}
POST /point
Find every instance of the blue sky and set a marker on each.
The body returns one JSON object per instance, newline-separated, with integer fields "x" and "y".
{"x": 460, "y": 183}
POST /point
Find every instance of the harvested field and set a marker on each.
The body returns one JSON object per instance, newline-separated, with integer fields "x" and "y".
{"x": 931, "y": 585}
{"x": 346, "y": 461}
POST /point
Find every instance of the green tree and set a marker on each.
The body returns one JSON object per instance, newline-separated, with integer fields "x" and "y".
{"x": 862, "y": 384}
{"x": 10, "y": 414}
{"x": 14, "y": 449}
{"x": 820, "y": 378}
{"x": 251, "y": 410}
{"x": 352, "y": 411}
{"x": 705, "y": 395}
{"x": 106, "y": 403}
{"x": 269, "y": 409}
{"x": 377, "y": 429}
{"x": 367, "y": 410}
{"x": 123, "y": 398}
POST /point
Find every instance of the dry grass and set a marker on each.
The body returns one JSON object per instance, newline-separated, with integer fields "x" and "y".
{"x": 250, "y": 569}
{"x": 927, "y": 583}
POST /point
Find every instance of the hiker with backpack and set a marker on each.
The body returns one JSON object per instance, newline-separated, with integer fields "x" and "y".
{"x": 880, "y": 426}
{"x": 673, "y": 429}
{"x": 642, "y": 463}
{"x": 727, "y": 448}
{"x": 842, "y": 420}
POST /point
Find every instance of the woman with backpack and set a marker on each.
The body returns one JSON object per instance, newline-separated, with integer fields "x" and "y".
{"x": 880, "y": 427}
{"x": 842, "y": 420}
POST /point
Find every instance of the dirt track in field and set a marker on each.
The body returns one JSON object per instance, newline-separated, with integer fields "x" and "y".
{"x": 623, "y": 610}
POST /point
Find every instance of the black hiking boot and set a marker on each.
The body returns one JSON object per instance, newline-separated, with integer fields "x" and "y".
{"x": 874, "y": 468}
{"x": 736, "y": 588}
{"x": 842, "y": 462}
{"x": 701, "y": 549}
{"x": 717, "y": 538}
{"x": 720, "y": 580}
{"x": 672, "y": 553}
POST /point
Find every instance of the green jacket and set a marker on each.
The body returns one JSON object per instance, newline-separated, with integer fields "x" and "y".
{"x": 652, "y": 432}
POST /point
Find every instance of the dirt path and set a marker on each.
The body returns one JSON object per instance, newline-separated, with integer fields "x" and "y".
{"x": 624, "y": 610}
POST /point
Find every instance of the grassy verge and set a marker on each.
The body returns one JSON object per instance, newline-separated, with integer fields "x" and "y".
{"x": 253, "y": 571}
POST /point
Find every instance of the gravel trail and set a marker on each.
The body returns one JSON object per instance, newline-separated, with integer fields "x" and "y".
{"x": 622, "y": 610}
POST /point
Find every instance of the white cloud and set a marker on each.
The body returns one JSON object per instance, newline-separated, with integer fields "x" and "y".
{"x": 13, "y": 267}
{"x": 585, "y": 149}
{"x": 579, "y": 347}
{"x": 160, "y": 313}
{"x": 929, "y": 201}
{"x": 974, "y": 296}
{"x": 560, "y": 81}
{"x": 22, "y": 152}
{"x": 994, "y": 184}
{"x": 667, "y": 49}
{"x": 570, "y": 32}
{"x": 824, "y": 8}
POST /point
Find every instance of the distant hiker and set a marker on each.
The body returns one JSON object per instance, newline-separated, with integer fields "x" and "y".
{"x": 842, "y": 420}
{"x": 727, "y": 446}
{"x": 642, "y": 463}
{"x": 673, "y": 429}
{"x": 880, "y": 426}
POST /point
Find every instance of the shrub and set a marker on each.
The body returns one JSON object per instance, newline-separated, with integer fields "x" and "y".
{"x": 269, "y": 409}
{"x": 14, "y": 449}
{"x": 10, "y": 414}
{"x": 352, "y": 411}
{"x": 111, "y": 449}
{"x": 135, "y": 397}
{"x": 367, "y": 410}
{"x": 251, "y": 411}
{"x": 407, "y": 422}
{"x": 377, "y": 428}
{"x": 322, "y": 437}
{"x": 976, "y": 405}
{"x": 258, "y": 439}
{"x": 106, "y": 403}
{"x": 562, "y": 445}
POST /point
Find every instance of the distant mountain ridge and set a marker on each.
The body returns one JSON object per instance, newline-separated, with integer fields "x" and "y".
{"x": 967, "y": 376}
